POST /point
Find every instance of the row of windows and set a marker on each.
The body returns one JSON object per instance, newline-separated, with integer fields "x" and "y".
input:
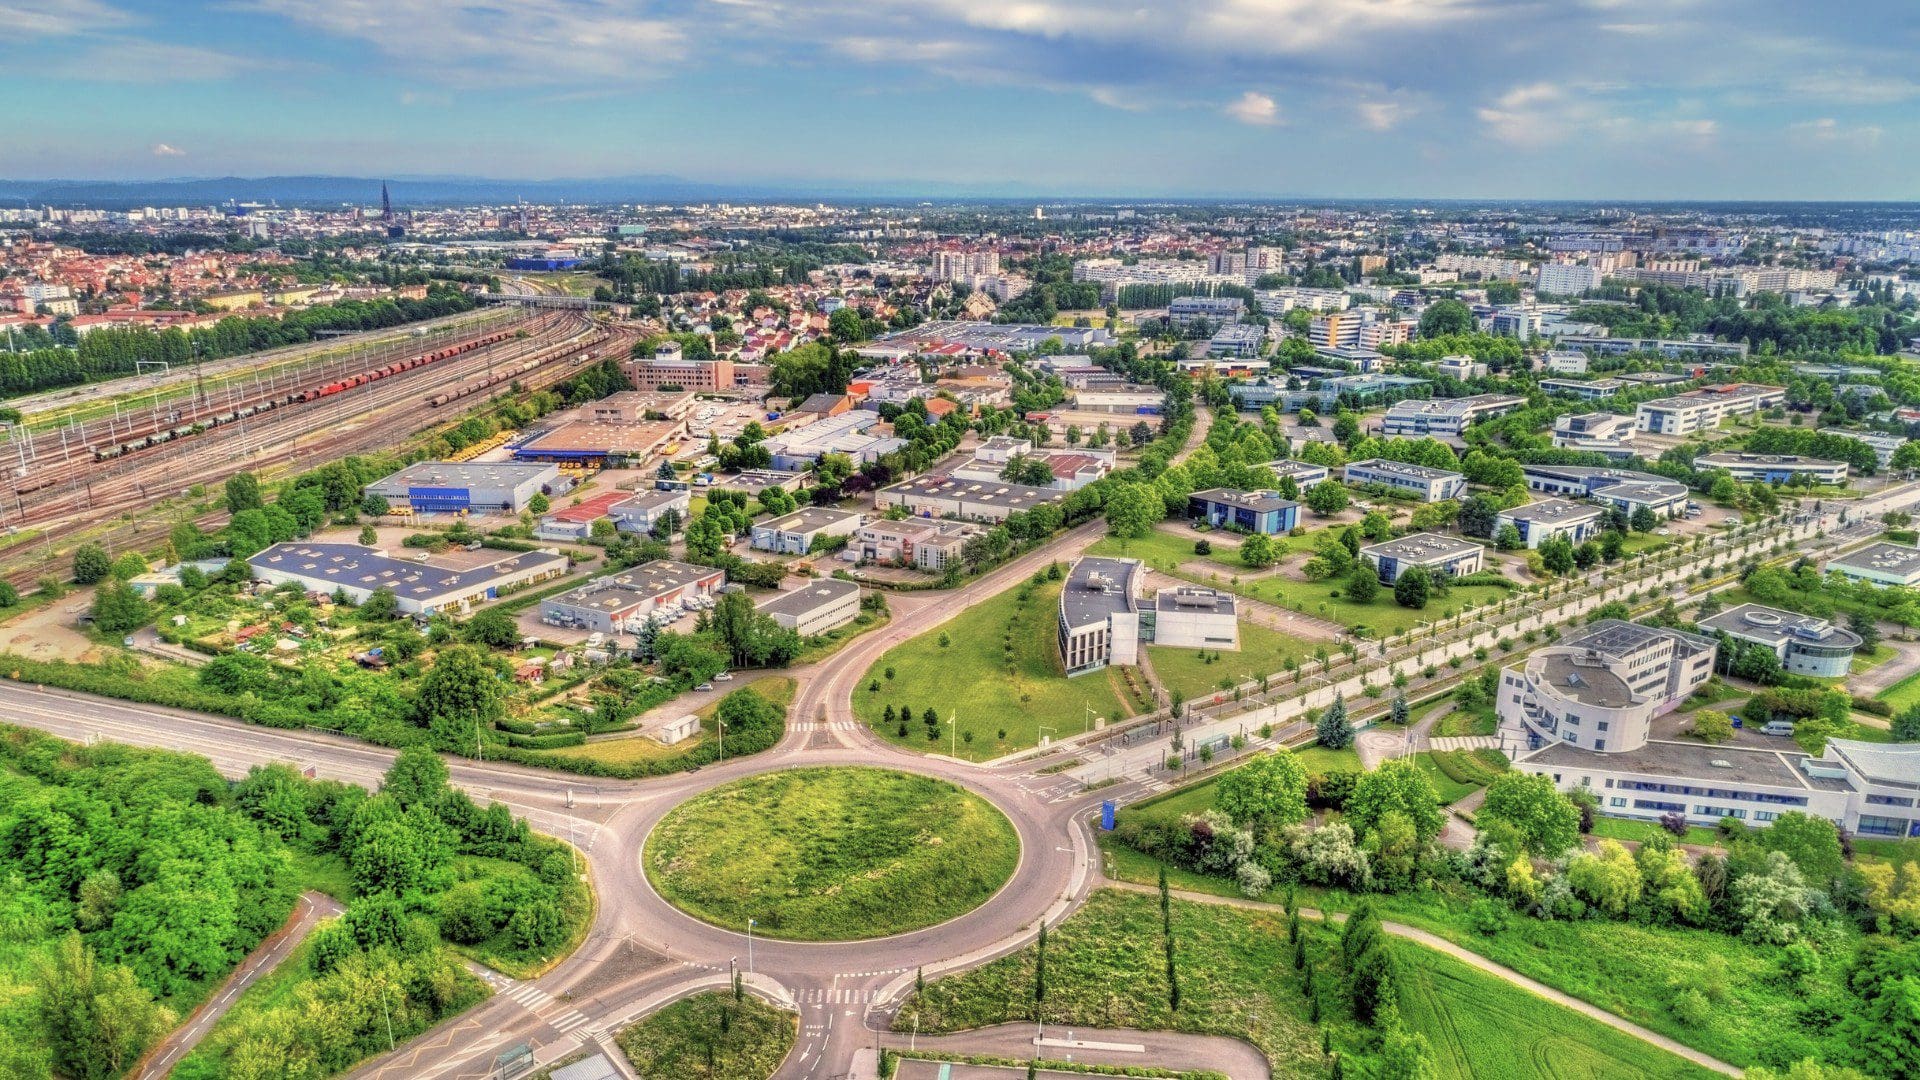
{"x": 1712, "y": 793}
{"x": 1882, "y": 826}
{"x": 1889, "y": 800}
{"x": 1654, "y": 804}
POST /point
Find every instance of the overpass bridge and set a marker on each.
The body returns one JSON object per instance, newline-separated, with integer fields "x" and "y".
{"x": 545, "y": 300}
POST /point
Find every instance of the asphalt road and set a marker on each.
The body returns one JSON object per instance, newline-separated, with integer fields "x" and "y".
{"x": 640, "y": 952}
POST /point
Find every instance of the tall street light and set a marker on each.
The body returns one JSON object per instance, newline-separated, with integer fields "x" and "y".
{"x": 750, "y": 946}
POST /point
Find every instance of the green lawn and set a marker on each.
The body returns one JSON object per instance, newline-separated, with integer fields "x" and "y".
{"x": 680, "y": 1039}
{"x": 1320, "y": 759}
{"x": 1903, "y": 694}
{"x": 1382, "y": 616}
{"x": 1105, "y": 969}
{"x": 1873, "y": 658}
{"x": 986, "y": 688}
{"x": 1613, "y": 828}
{"x": 1167, "y": 548}
{"x": 1449, "y": 789}
{"x": 1479, "y": 721}
{"x": 831, "y": 854}
{"x": 1262, "y": 652}
{"x": 638, "y": 749}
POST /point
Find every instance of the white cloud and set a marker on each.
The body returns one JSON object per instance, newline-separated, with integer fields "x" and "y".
{"x": 1854, "y": 87}
{"x": 135, "y": 60}
{"x": 56, "y": 18}
{"x": 1826, "y": 129}
{"x": 1255, "y": 108}
{"x": 1381, "y": 115}
{"x": 485, "y": 42}
{"x": 161, "y": 149}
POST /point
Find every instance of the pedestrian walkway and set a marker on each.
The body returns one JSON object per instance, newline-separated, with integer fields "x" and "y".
{"x": 1466, "y": 742}
{"x": 533, "y": 999}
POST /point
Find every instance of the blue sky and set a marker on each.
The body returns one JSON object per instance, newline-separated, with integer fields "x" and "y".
{"x": 1441, "y": 98}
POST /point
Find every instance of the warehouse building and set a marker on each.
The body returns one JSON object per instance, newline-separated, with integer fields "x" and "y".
{"x": 1099, "y": 623}
{"x": 1805, "y": 645}
{"x": 1192, "y": 617}
{"x": 978, "y": 500}
{"x": 1263, "y": 512}
{"x": 449, "y": 487}
{"x": 795, "y": 533}
{"x": 423, "y": 585}
{"x": 1445, "y": 418}
{"x": 1774, "y": 468}
{"x": 1880, "y": 564}
{"x": 1431, "y": 485}
{"x": 930, "y": 545}
{"x": 662, "y": 589}
{"x": 1437, "y": 554}
{"x": 641, "y": 511}
{"x": 818, "y": 606}
{"x": 1541, "y": 521}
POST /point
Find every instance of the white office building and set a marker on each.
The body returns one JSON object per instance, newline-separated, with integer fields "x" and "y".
{"x": 1703, "y": 409}
{"x": 1430, "y": 484}
{"x": 1192, "y": 617}
{"x": 1566, "y": 279}
{"x": 1880, "y": 564}
{"x": 1445, "y": 417}
{"x": 1541, "y": 521}
{"x": 1099, "y": 621}
{"x": 1599, "y": 433}
{"x": 1774, "y": 468}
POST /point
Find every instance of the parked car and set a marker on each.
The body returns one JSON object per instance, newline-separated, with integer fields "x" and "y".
{"x": 1777, "y": 727}
{"x": 725, "y": 676}
{"x": 704, "y": 687}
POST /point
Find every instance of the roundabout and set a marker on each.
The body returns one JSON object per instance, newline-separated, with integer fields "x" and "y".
{"x": 837, "y": 853}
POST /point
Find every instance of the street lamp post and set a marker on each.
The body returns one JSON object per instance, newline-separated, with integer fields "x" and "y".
{"x": 953, "y": 735}
{"x": 750, "y": 946}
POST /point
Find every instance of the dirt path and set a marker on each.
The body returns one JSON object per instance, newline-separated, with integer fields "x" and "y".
{"x": 1473, "y": 959}
{"x": 265, "y": 957}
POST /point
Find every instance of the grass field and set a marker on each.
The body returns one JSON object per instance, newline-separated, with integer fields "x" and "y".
{"x": 831, "y": 854}
{"x": 676, "y": 1040}
{"x": 1017, "y": 692}
{"x": 1262, "y": 652}
{"x": 1613, "y": 828}
{"x": 1165, "y": 549}
{"x": 638, "y": 748}
{"x": 1480, "y": 721}
{"x": 1873, "y": 658}
{"x": 1449, "y": 789}
{"x": 1105, "y": 969}
{"x": 1382, "y": 616}
{"x": 1904, "y": 694}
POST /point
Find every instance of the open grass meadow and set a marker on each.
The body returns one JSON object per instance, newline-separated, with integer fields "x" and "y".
{"x": 999, "y": 671}
{"x": 1196, "y": 674}
{"x": 831, "y": 854}
{"x": 681, "y": 1039}
{"x": 1105, "y": 969}
{"x": 635, "y": 749}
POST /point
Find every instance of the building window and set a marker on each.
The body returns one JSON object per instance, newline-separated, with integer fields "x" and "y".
{"x": 1616, "y": 801}
{"x": 1600, "y": 744}
{"x": 1603, "y": 725}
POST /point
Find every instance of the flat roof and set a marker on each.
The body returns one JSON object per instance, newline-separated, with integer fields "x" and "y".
{"x": 807, "y": 519}
{"x": 1771, "y": 625}
{"x": 1402, "y": 468}
{"x": 1882, "y": 556}
{"x": 1291, "y": 467}
{"x": 1194, "y": 598}
{"x": 1896, "y": 764}
{"x": 1695, "y": 762}
{"x": 996, "y": 492}
{"x": 1553, "y": 511}
{"x": 590, "y": 436}
{"x": 1588, "y": 683}
{"x": 1097, "y": 588}
{"x": 1454, "y": 406}
{"x": 651, "y": 499}
{"x": 368, "y": 568}
{"x": 647, "y": 581}
{"x": 811, "y": 597}
{"x": 1618, "y": 637}
{"x": 468, "y": 474}
{"x": 1257, "y": 501}
{"x": 1765, "y": 459}
{"x": 1422, "y": 548}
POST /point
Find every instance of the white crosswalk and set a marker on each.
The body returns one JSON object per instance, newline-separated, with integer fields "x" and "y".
{"x": 533, "y": 999}
{"x": 829, "y": 725}
{"x": 1465, "y": 742}
{"x": 834, "y": 996}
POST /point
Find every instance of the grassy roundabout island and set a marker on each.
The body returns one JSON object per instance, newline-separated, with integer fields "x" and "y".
{"x": 831, "y": 854}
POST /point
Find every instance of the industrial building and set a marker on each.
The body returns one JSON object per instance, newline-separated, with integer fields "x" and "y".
{"x": 1880, "y": 564}
{"x": 1431, "y": 485}
{"x": 1585, "y": 389}
{"x": 1595, "y": 433}
{"x": 447, "y": 487}
{"x": 1622, "y": 488}
{"x": 1445, "y": 417}
{"x": 1192, "y": 617}
{"x": 947, "y": 496}
{"x": 1305, "y": 473}
{"x": 1541, "y": 521}
{"x": 818, "y": 606}
{"x": 1805, "y": 645}
{"x": 421, "y": 585}
{"x": 797, "y": 449}
{"x": 1099, "y": 623}
{"x": 1263, "y": 512}
{"x": 796, "y": 533}
{"x": 662, "y": 589}
{"x": 1585, "y": 711}
{"x": 1435, "y": 553}
{"x": 593, "y": 443}
{"x": 1703, "y": 409}
{"x": 1775, "y": 468}
{"x": 925, "y": 544}
{"x": 641, "y": 511}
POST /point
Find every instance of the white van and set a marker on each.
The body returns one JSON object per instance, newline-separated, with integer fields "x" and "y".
{"x": 1777, "y": 727}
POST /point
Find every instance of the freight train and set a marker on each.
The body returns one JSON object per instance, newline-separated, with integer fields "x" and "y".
{"x": 315, "y": 393}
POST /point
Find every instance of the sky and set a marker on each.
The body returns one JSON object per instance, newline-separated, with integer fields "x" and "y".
{"x": 1582, "y": 99}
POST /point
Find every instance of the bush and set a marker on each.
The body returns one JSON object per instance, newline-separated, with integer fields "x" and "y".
{"x": 1487, "y": 917}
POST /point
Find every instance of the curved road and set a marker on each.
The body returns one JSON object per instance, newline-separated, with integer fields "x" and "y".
{"x": 641, "y": 952}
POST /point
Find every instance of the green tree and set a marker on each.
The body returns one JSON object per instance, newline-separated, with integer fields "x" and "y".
{"x": 1412, "y": 588}
{"x": 1608, "y": 879}
{"x": 1644, "y": 519}
{"x": 1363, "y": 584}
{"x": 539, "y": 504}
{"x": 1396, "y": 786}
{"x": 1257, "y": 551}
{"x": 1132, "y": 511}
{"x": 129, "y": 566}
{"x": 91, "y": 564}
{"x": 417, "y": 777}
{"x": 118, "y": 609}
{"x": 493, "y": 628}
{"x": 1712, "y": 726}
{"x": 1546, "y": 822}
{"x": 1268, "y": 792}
{"x": 1334, "y": 729}
{"x": 459, "y": 695}
{"x": 1811, "y": 842}
{"x": 243, "y": 493}
{"x": 1326, "y": 498}
{"x": 96, "y": 1018}
{"x": 1444, "y": 317}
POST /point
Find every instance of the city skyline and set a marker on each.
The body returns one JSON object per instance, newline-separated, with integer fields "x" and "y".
{"x": 1598, "y": 99}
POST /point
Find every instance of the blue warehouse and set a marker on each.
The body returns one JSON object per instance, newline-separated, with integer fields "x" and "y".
{"x": 1254, "y": 511}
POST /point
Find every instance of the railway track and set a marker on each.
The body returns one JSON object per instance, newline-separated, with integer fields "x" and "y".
{"x": 373, "y": 416}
